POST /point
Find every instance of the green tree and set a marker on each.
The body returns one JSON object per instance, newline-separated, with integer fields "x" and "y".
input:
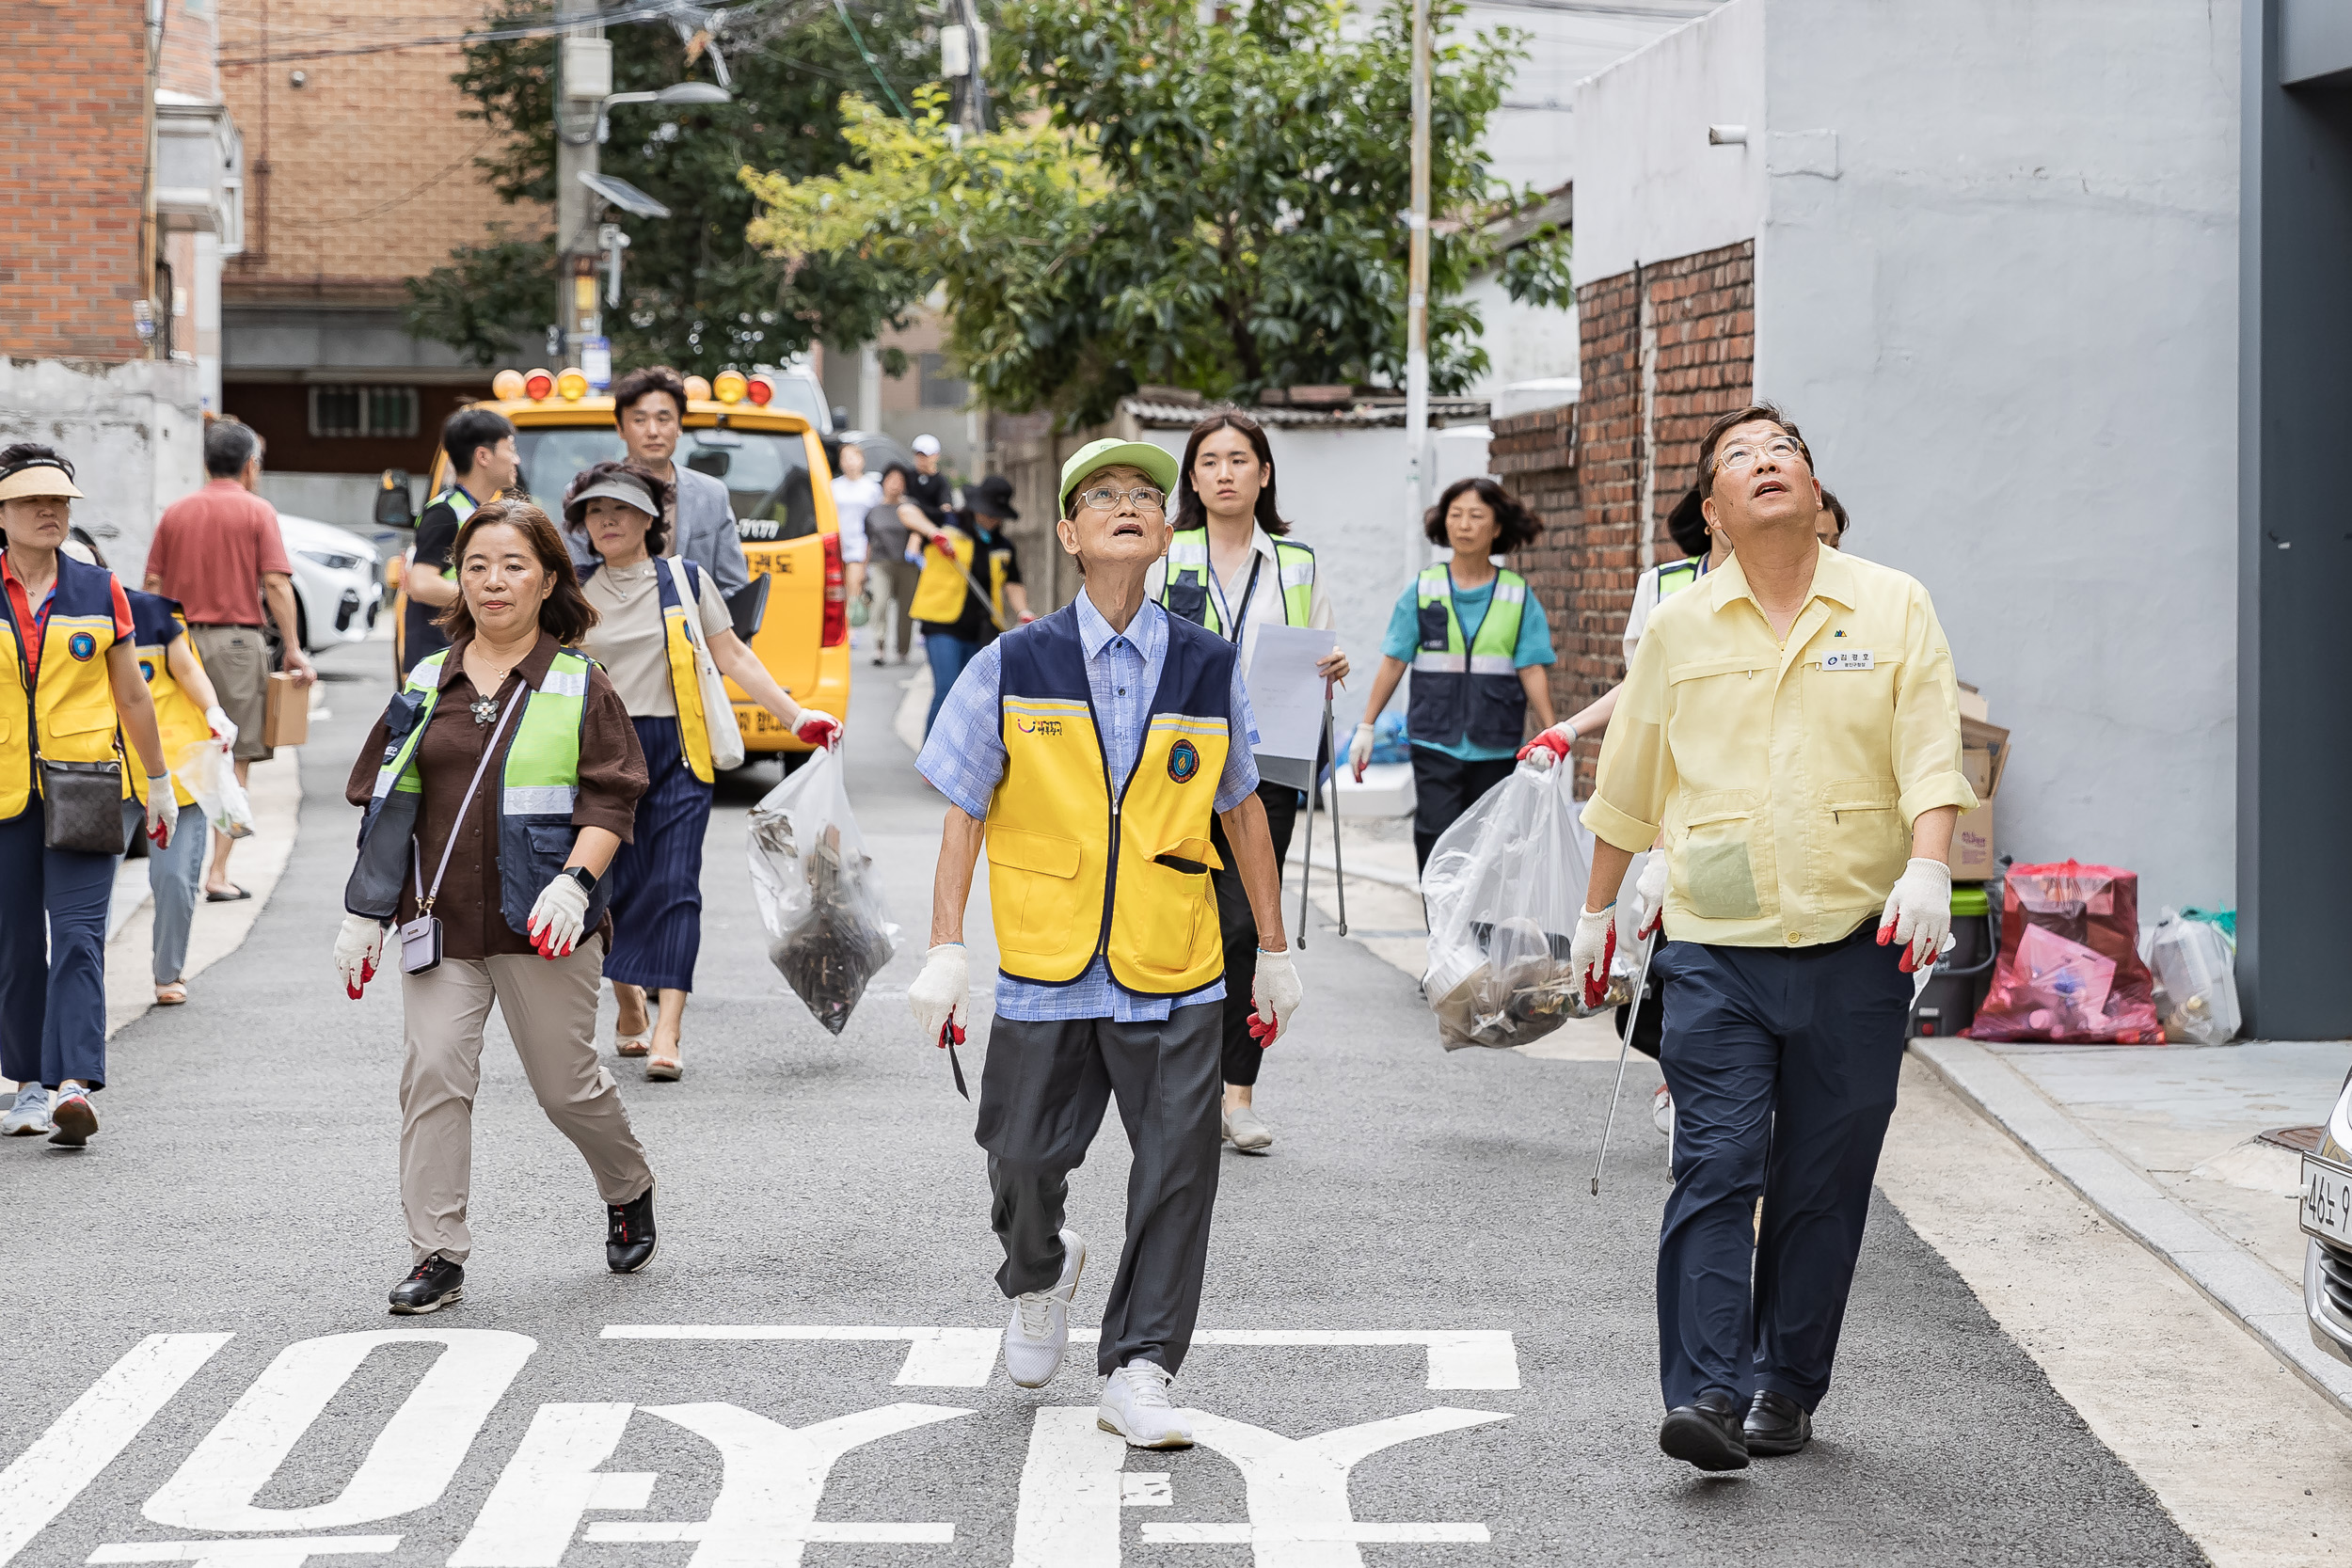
{"x": 1218, "y": 205}
{"x": 695, "y": 292}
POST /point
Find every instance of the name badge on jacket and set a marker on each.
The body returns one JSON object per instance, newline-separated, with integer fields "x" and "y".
{"x": 1846, "y": 661}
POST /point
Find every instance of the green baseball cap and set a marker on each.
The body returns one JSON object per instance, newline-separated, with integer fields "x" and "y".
{"x": 1158, "y": 462}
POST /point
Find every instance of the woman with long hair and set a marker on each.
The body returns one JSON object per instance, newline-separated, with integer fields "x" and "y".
{"x": 1233, "y": 568}
{"x": 499, "y": 783}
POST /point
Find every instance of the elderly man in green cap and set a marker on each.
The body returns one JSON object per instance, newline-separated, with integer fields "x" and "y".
{"x": 1091, "y": 750}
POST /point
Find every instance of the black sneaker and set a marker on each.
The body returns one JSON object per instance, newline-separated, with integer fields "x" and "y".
{"x": 436, "y": 1283}
{"x": 628, "y": 1239}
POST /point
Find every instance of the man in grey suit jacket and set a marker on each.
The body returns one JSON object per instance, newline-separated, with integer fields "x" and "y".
{"x": 649, "y": 407}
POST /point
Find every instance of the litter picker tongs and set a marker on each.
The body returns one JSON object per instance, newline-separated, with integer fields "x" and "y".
{"x": 1625, "y": 1045}
{"x": 1288, "y": 770}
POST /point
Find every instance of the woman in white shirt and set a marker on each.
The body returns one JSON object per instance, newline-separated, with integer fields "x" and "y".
{"x": 855, "y": 491}
{"x": 1233, "y": 568}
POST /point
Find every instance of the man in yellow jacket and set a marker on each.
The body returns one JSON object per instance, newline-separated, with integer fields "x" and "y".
{"x": 1091, "y": 750}
{"x": 1790, "y": 723}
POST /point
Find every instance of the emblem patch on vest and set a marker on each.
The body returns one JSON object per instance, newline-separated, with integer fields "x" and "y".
{"x": 1050, "y": 728}
{"x": 146, "y": 670}
{"x": 83, "y": 646}
{"x": 1184, "y": 761}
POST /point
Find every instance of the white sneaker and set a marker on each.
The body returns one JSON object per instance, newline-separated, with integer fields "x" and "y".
{"x": 1246, "y": 1132}
{"x": 1135, "y": 1406}
{"x": 29, "y": 1116}
{"x": 1039, "y": 1333}
{"x": 1661, "y": 1110}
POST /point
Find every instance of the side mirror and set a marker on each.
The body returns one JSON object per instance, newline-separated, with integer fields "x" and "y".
{"x": 392, "y": 501}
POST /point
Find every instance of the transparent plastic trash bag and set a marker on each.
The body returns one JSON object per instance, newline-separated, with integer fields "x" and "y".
{"x": 209, "y": 773}
{"x": 2194, "y": 968}
{"x": 1504, "y": 885}
{"x": 819, "y": 897}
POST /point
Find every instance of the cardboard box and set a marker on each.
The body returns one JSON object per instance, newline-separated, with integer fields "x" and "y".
{"x": 287, "y": 720}
{"x": 1984, "y": 757}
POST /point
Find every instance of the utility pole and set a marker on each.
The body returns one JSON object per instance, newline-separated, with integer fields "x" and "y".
{"x": 1417, "y": 306}
{"x": 583, "y": 81}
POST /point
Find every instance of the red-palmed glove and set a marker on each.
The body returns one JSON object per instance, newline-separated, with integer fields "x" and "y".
{"x": 557, "y": 918}
{"x": 1591, "y": 951}
{"x": 358, "y": 947}
{"x": 1919, "y": 913}
{"x": 1551, "y": 748}
{"x": 815, "y": 727}
{"x": 1276, "y": 994}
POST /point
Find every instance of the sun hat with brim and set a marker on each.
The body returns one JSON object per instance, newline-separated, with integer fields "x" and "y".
{"x": 623, "y": 490}
{"x": 1158, "y": 463}
{"x": 39, "y": 476}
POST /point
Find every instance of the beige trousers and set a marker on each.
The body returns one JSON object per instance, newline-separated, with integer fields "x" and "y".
{"x": 550, "y": 1009}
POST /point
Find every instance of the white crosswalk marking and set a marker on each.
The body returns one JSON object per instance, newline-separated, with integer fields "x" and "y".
{"x": 552, "y": 1480}
{"x": 284, "y": 1552}
{"x": 407, "y": 1467}
{"x": 773, "y": 1479}
{"x": 1070, "y": 1492}
{"x": 46, "y": 1478}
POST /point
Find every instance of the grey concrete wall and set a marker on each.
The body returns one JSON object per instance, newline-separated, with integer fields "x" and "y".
{"x": 135, "y": 434}
{"x": 1997, "y": 285}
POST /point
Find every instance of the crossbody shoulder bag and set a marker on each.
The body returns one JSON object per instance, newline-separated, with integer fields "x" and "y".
{"x": 420, "y": 938}
{"x": 81, "y": 802}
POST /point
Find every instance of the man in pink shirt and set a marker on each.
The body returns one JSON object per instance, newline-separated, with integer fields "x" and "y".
{"x": 218, "y": 554}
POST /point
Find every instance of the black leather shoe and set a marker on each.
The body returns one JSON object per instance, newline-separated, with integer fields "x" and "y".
{"x": 1776, "y": 1425}
{"x": 436, "y": 1283}
{"x": 1706, "y": 1435}
{"x": 628, "y": 1240}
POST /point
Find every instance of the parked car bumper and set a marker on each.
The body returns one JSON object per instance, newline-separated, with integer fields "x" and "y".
{"x": 2327, "y": 1297}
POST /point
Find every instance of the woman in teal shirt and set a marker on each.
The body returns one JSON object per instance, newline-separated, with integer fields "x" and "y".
{"x": 1477, "y": 643}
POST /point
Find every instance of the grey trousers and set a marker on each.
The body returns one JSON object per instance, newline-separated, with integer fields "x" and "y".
{"x": 551, "y": 1010}
{"x": 1043, "y": 1094}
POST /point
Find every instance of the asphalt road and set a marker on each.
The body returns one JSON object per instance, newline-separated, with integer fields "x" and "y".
{"x": 243, "y": 1188}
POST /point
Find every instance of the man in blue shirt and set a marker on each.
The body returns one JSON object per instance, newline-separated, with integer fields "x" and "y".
{"x": 1092, "y": 751}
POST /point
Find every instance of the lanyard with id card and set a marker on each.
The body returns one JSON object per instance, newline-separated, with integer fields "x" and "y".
{"x": 420, "y": 938}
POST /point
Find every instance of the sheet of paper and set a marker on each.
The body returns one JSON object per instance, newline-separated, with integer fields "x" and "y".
{"x": 1285, "y": 693}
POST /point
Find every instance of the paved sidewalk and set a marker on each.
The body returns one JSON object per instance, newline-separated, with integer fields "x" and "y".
{"x": 2163, "y": 1141}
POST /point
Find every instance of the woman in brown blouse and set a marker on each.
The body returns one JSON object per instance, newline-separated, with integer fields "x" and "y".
{"x": 499, "y": 786}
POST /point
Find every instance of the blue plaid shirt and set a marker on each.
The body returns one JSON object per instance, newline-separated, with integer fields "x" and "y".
{"x": 964, "y": 757}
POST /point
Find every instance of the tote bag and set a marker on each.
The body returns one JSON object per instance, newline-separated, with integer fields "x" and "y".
{"x": 727, "y": 737}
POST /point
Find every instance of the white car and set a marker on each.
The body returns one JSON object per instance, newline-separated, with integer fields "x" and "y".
{"x": 338, "y": 581}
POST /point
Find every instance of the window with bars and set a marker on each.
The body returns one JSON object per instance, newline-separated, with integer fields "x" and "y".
{"x": 364, "y": 411}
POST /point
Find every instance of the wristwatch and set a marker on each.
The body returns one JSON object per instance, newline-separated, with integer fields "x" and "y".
{"x": 585, "y": 878}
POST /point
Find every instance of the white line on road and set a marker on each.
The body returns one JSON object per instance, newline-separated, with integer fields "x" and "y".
{"x": 549, "y": 1484}
{"x": 47, "y": 1477}
{"x": 285, "y": 1552}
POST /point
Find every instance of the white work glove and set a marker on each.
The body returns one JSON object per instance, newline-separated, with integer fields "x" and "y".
{"x": 942, "y": 995}
{"x": 1551, "y": 747}
{"x": 223, "y": 727}
{"x": 1591, "y": 951}
{"x": 1359, "y": 750}
{"x": 557, "y": 918}
{"x": 815, "y": 727}
{"x": 1649, "y": 896}
{"x": 1919, "y": 913}
{"x": 163, "y": 810}
{"x": 1276, "y": 995}
{"x": 358, "y": 947}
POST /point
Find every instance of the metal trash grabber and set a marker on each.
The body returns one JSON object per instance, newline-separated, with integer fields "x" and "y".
{"x": 1625, "y": 1045}
{"x": 1339, "y": 862}
{"x": 1313, "y": 789}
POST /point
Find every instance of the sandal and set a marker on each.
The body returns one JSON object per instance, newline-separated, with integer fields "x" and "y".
{"x": 172, "y": 993}
{"x": 633, "y": 1045}
{"x": 663, "y": 1070}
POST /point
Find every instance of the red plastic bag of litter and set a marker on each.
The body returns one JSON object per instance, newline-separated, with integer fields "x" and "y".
{"x": 2070, "y": 967}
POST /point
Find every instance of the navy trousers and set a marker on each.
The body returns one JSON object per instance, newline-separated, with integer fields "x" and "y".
{"x": 658, "y": 874}
{"x": 53, "y": 957}
{"x": 1783, "y": 1067}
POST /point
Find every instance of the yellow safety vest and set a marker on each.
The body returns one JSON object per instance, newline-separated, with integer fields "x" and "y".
{"x": 1075, "y": 872}
{"x": 940, "y": 592}
{"x": 181, "y": 721}
{"x": 71, "y": 711}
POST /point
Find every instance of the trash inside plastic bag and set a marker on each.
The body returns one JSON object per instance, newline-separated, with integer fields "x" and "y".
{"x": 1504, "y": 885}
{"x": 2193, "y": 962}
{"x": 2070, "y": 966}
{"x": 1388, "y": 740}
{"x": 209, "y": 773}
{"x": 819, "y": 893}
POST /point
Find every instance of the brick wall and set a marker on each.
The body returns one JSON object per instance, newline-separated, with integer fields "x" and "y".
{"x": 72, "y": 159}
{"x": 1635, "y": 433}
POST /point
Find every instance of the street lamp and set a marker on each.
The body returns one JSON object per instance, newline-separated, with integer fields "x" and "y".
{"x": 676, "y": 92}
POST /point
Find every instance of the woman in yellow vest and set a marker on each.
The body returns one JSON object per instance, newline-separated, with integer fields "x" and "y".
{"x": 962, "y": 560}
{"x": 1477, "y": 643}
{"x": 644, "y": 641}
{"x": 70, "y": 688}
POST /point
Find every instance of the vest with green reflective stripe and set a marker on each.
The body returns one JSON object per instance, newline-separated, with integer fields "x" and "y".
{"x": 538, "y": 785}
{"x": 1186, "y": 592}
{"x": 463, "y": 505}
{"x": 1468, "y": 692}
{"x": 1675, "y": 575}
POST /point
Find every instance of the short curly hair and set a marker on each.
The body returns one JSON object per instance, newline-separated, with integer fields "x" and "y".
{"x": 1515, "y": 525}
{"x": 576, "y": 510}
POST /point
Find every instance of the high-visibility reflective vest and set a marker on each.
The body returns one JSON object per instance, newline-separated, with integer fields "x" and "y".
{"x": 1470, "y": 692}
{"x": 940, "y": 592}
{"x": 181, "y": 721}
{"x": 1187, "y": 590}
{"x": 71, "y": 710}
{"x": 1675, "y": 575}
{"x": 678, "y": 646}
{"x": 462, "y": 504}
{"x": 538, "y": 786}
{"x": 1079, "y": 867}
